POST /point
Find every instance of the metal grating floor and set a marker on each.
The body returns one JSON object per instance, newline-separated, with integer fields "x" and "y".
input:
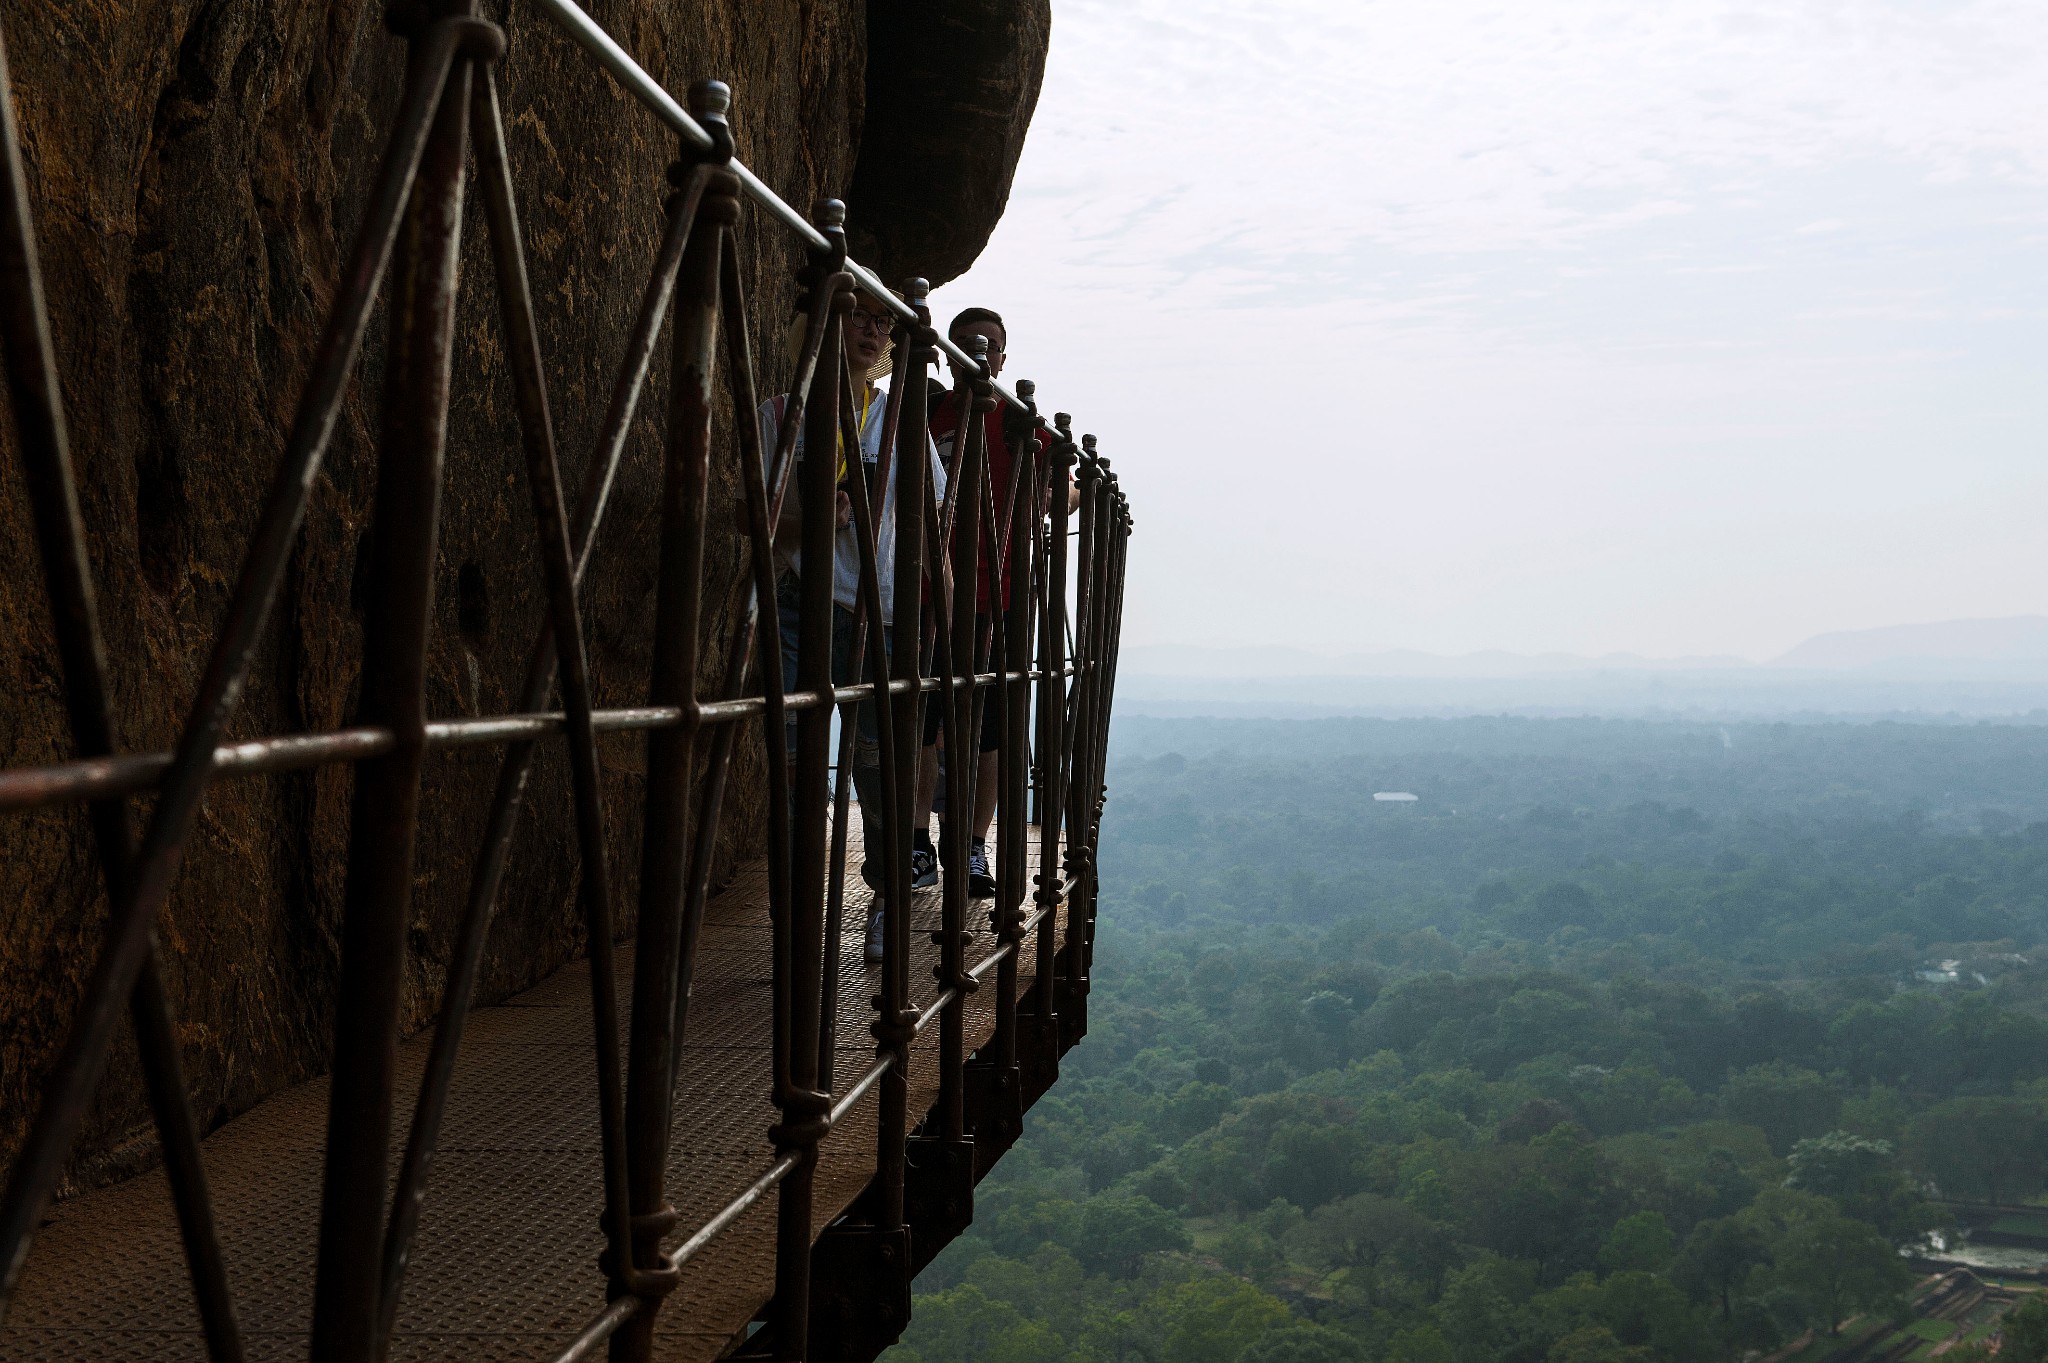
{"x": 504, "y": 1266}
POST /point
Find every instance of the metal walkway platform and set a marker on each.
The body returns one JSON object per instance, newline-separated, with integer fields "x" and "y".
{"x": 504, "y": 1266}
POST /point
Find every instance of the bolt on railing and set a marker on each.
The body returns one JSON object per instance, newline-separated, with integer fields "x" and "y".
{"x": 929, "y": 647}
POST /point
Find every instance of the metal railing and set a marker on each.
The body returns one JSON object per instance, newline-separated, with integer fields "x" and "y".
{"x": 1053, "y": 699}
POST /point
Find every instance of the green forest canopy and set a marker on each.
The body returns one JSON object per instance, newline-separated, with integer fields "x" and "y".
{"x": 1625, "y": 1040}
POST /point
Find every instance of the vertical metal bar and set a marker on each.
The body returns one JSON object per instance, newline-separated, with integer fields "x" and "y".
{"x": 870, "y": 623}
{"x": 895, "y": 1026}
{"x": 781, "y": 834}
{"x": 1112, "y": 646}
{"x": 133, "y": 915}
{"x": 805, "y": 1109}
{"x": 1081, "y": 951}
{"x": 516, "y": 765}
{"x": 384, "y": 818}
{"x": 763, "y": 490}
{"x": 1052, "y": 716}
{"x": 964, "y": 491}
{"x": 1009, "y": 613}
{"x": 1040, "y": 552}
{"x": 38, "y": 407}
{"x": 1080, "y": 802}
{"x": 665, "y": 942}
{"x": 1105, "y": 619}
{"x": 558, "y": 563}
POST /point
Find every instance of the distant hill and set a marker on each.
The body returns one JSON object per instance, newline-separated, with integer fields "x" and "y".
{"x": 1200, "y": 660}
{"x": 2009, "y": 647}
{"x": 2013, "y": 639}
{"x": 1960, "y": 669}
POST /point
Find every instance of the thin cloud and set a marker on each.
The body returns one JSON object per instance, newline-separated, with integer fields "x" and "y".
{"x": 1351, "y": 286}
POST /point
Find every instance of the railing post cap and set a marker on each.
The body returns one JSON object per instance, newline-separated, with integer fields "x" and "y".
{"x": 710, "y": 99}
{"x": 1026, "y": 389}
{"x": 1088, "y": 443}
{"x": 917, "y": 291}
{"x": 830, "y": 213}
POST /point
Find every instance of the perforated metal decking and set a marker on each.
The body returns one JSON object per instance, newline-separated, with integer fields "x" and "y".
{"x": 503, "y": 1266}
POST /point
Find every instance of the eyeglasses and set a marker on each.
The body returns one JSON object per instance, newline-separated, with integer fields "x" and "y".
{"x": 860, "y": 319}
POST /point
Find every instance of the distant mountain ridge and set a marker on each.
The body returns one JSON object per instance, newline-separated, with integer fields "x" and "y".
{"x": 2012, "y": 638}
{"x": 1201, "y": 660}
{"x": 2007, "y": 646}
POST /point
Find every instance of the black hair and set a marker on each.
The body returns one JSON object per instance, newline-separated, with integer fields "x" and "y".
{"x": 969, "y": 316}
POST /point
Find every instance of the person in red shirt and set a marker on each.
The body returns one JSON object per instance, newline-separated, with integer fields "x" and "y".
{"x": 1008, "y": 435}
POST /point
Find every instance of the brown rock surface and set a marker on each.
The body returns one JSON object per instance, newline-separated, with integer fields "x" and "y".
{"x": 196, "y": 169}
{"x": 950, "y": 90}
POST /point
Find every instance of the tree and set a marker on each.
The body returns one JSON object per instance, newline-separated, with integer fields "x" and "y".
{"x": 1419, "y": 1344}
{"x": 1647, "y": 1310}
{"x": 2025, "y": 1333}
{"x": 1641, "y": 1241}
{"x": 965, "y": 1325}
{"x": 1359, "y": 1232}
{"x": 1785, "y": 1101}
{"x": 1017, "y": 1225}
{"x": 1302, "y": 1341}
{"x": 1838, "y": 1265}
{"x": 1985, "y": 1148}
{"x": 1195, "y": 1108}
{"x": 1120, "y": 1150}
{"x": 1717, "y": 1256}
{"x": 1476, "y": 1313}
{"x": 1862, "y": 1178}
{"x": 1595, "y": 1344}
{"x": 1251, "y": 1248}
{"x": 1534, "y": 1118}
{"x": 1212, "y": 1320}
{"x": 1049, "y": 1286}
{"x": 1119, "y": 1229}
{"x": 1311, "y": 1164}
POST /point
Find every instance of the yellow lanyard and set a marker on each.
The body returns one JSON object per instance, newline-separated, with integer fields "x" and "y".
{"x": 867, "y": 399}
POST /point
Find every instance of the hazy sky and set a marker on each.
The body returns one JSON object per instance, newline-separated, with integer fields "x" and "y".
{"x": 1663, "y": 326}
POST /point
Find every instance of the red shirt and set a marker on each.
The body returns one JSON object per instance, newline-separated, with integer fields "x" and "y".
{"x": 1001, "y": 462}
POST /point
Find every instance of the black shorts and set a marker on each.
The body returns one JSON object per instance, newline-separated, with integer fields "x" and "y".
{"x": 991, "y": 710}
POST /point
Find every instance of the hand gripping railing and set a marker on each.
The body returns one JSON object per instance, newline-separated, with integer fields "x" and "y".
{"x": 940, "y": 651}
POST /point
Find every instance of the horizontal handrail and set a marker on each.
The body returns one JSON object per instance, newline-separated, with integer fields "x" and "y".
{"x": 92, "y": 778}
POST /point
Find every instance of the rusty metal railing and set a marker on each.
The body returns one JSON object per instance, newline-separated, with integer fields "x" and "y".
{"x": 1053, "y": 704}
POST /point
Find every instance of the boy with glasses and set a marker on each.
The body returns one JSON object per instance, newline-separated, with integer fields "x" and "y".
{"x": 866, "y": 338}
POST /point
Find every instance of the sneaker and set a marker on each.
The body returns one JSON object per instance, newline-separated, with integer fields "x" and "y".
{"x": 872, "y": 953}
{"x": 924, "y": 869}
{"x": 980, "y": 884}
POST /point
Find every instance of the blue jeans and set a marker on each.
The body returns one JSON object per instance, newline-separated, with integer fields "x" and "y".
{"x": 867, "y": 743}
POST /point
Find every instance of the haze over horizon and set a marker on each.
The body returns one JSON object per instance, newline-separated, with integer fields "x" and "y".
{"x": 2010, "y": 639}
{"x": 1589, "y": 328}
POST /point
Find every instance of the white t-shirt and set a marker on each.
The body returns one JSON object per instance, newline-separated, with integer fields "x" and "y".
{"x": 846, "y": 546}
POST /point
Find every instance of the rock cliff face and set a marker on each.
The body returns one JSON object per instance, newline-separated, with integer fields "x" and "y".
{"x": 197, "y": 167}
{"x": 940, "y": 78}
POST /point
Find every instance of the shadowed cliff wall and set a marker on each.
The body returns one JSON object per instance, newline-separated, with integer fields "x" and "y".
{"x": 197, "y": 170}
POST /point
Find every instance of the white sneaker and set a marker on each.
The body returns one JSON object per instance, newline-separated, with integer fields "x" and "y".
{"x": 873, "y": 953}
